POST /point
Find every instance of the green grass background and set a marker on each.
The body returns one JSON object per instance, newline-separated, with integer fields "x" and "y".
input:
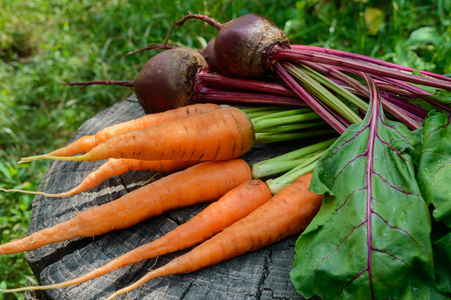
{"x": 42, "y": 42}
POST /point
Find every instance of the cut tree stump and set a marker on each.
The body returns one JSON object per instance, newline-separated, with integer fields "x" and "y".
{"x": 263, "y": 274}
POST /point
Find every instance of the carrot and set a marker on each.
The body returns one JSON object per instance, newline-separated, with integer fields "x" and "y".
{"x": 222, "y": 134}
{"x": 86, "y": 143}
{"x": 204, "y": 182}
{"x": 233, "y": 206}
{"x": 286, "y": 214}
{"x": 114, "y": 167}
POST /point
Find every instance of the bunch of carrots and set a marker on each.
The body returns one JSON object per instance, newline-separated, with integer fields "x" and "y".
{"x": 201, "y": 145}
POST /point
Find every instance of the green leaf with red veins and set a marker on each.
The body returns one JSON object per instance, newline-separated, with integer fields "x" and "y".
{"x": 373, "y": 230}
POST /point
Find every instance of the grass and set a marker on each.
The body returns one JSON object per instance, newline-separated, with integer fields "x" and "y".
{"x": 42, "y": 42}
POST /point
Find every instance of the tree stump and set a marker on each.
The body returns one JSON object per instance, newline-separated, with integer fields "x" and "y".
{"x": 263, "y": 274}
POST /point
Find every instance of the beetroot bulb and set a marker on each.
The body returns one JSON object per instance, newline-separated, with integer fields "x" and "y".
{"x": 241, "y": 44}
{"x": 168, "y": 79}
{"x": 164, "y": 82}
{"x": 179, "y": 76}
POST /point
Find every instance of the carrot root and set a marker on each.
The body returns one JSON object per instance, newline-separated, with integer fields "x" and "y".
{"x": 114, "y": 167}
{"x": 201, "y": 183}
{"x": 284, "y": 215}
{"x": 222, "y": 134}
{"x": 86, "y": 143}
{"x": 233, "y": 206}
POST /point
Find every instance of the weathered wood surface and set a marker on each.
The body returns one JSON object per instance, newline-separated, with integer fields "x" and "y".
{"x": 263, "y": 274}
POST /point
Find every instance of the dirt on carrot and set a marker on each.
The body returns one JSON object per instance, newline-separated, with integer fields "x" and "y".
{"x": 114, "y": 167}
{"x": 233, "y": 206}
{"x": 86, "y": 143}
{"x": 222, "y": 134}
{"x": 204, "y": 182}
{"x": 284, "y": 215}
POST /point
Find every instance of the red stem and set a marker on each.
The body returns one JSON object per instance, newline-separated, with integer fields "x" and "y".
{"x": 367, "y": 59}
{"x": 211, "y": 95}
{"x": 329, "y": 118}
{"x": 101, "y": 82}
{"x": 300, "y": 55}
{"x": 204, "y": 18}
{"x": 153, "y": 46}
{"x": 359, "y": 87}
{"x": 204, "y": 78}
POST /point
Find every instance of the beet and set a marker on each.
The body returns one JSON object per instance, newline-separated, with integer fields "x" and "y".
{"x": 178, "y": 77}
{"x": 241, "y": 45}
{"x": 209, "y": 54}
{"x": 166, "y": 80}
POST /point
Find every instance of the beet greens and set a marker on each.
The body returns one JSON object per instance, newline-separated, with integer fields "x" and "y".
{"x": 434, "y": 172}
{"x": 372, "y": 234}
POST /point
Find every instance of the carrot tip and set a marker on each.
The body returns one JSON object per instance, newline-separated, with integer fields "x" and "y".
{"x": 32, "y": 288}
{"x": 50, "y": 157}
{"x": 36, "y": 193}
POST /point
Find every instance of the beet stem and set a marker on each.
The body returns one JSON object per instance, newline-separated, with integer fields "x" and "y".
{"x": 362, "y": 90}
{"x": 404, "y": 104}
{"x": 100, "y": 82}
{"x": 207, "y": 79}
{"x": 152, "y": 46}
{"x": 300, "y": 56}
{"x": 328, "y": 117}
{"x": 208, "y": 20}
{"x": 206, "y": 95}
{"x": 367, "y": 59}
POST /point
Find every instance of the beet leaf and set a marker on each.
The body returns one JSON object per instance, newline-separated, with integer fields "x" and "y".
{"x": 371, "y": 238}
{"x": 442, "y": 260}
{"x": 434, "y": 172}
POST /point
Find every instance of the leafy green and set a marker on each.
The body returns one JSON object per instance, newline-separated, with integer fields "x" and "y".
{"x": 364, "y": 242}
{"x": 442, "y": 259}
{"x": 434, "y": 173}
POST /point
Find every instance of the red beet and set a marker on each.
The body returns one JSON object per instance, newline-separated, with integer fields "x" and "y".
{"x": 209, "y": 54}
{"x": 166, "y": 80}
{"x": 242, "y": 45}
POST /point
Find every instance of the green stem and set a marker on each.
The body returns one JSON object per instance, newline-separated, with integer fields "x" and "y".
{"x": 264, "y": 170}
{"x": 296, "y": 118}
{"x": 282, "y": 113}
{"x": 281, "y": 163}
{"x": 308, "y": 166}
{"x": 256, "y": 112}
{"x": 336, "y": 88}
{"x": 323, "y": 94}
{"x": 264, "y": 138}
{"x": 295, "y": 127}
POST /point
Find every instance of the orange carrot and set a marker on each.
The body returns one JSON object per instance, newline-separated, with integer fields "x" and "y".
{"x": 222, "y": 134}
{"x": 286, "y": 214}
{"x": 114, "y": 167}
{"x": 233, "y": 206}
{"x": 204, "y": 182}
{"x": 86, "y": 143}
